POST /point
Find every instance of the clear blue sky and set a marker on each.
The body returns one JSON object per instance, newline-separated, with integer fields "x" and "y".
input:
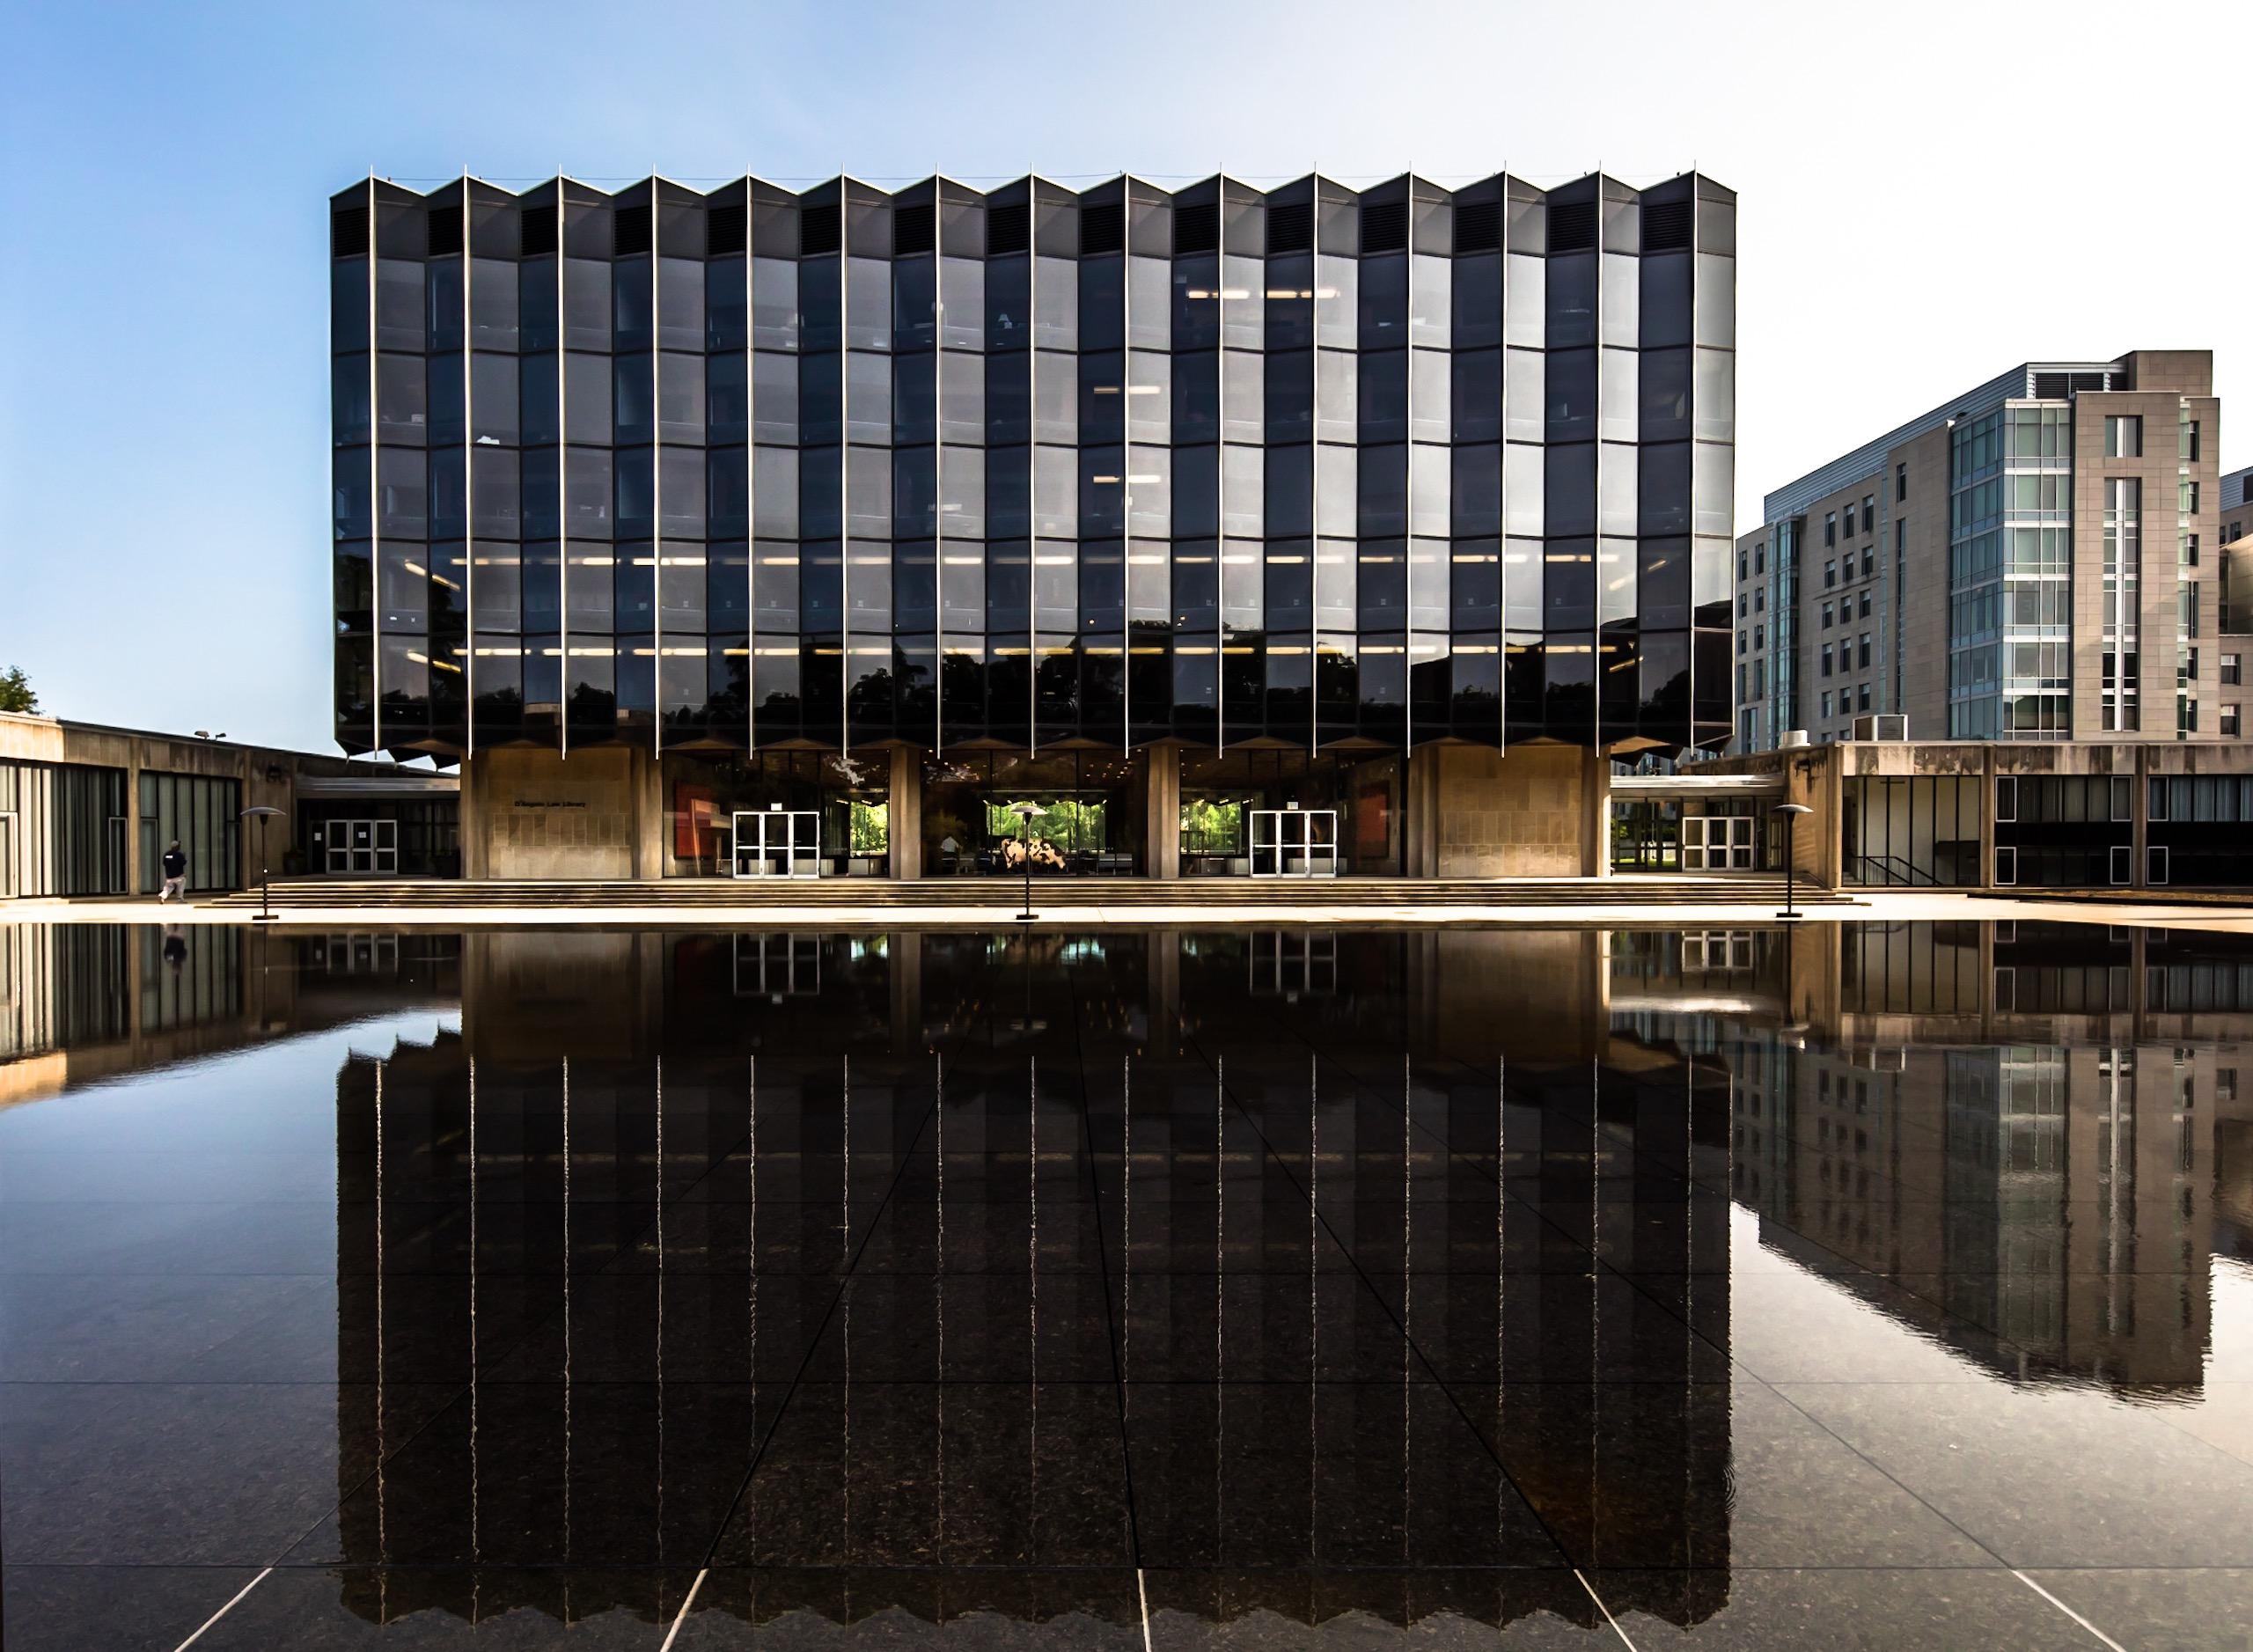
{"x": 1920, "y": 210}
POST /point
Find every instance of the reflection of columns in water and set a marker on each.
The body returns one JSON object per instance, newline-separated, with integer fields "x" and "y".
{"x": 661, "y": 1307}
{"x": 383, "y": 1452}
{"x": 751, "y": 1506}
{"x": 1032, "y": 1289}
{"x": 566, "y": 1308}
{"x": 1502, "y": 1488}
{"x": 845, "y": 1204}
{"x": 1406, "y": 1288}
{"x": 1220, "y": 1297}
{"x": 939, "y": 1295}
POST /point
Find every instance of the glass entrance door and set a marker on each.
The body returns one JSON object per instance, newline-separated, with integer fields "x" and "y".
{"x": 777, "y": 843}
{"x": 365, "y": 848}
{"x": 1717, "y": 843}
{"x": 1295, "y": 843}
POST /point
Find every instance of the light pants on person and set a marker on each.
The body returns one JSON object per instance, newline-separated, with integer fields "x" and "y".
{"x": 173, "y": 886}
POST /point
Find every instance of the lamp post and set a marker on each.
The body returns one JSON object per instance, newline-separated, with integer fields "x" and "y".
{"x": 1025, "y": 812}
{"x": 1791, "y": 812}
{"x": 262, "y": 812}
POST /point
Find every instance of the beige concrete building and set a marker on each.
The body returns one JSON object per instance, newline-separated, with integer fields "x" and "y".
{"x": 88, "y": 810}
{"x": 2038, "y": 559}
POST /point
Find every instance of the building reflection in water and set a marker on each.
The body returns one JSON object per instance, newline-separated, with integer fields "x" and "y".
{"x": 877, "y": 1266}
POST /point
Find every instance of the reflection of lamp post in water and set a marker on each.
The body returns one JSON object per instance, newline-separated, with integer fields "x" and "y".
{"x": 1025, "y": 812}
{"x": 262, "y": 813}
{"x": 1791, "y": 812}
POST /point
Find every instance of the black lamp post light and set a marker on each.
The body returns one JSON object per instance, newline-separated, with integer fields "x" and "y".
{"x": 262, "y": 813}
{"x": 1791, "y": 812}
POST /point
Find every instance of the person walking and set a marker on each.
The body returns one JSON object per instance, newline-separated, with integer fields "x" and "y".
{"x": 175, "y": 876}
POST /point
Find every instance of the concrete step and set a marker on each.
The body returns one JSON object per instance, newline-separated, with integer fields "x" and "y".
{"x": 999, "y": 895}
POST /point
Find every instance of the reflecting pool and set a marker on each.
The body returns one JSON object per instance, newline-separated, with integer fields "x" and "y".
{"x": 1878, "y": 1285}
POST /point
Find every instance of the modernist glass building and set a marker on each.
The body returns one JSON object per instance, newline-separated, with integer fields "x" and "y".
{"x": 1127, "y": 501}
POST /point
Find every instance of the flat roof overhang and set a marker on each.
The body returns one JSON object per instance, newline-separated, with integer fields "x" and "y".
{"x": 1698, "y": 786}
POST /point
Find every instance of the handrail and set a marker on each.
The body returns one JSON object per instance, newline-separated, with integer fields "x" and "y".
{"x": 1914, "y": 874}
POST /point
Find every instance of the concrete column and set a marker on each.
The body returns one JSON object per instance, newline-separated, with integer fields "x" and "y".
{"x": 1419, "y": 812}
{"x": 646, "y": 777}
{"x": 1161, "y": 806}
{"x": 904, "y": 814}
{"x": 2140, "y": 834}
{"x": 476, "y": 850}
{"x": 133, "y": 820}
{"x": 1988, "y": 817}
{"x": 1596, "y": 813}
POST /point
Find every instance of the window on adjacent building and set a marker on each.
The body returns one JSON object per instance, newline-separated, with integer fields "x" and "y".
{"x": 1861, "y": 662}
{"x": 2229, "y": 669}
{"x": 2229, "y": 720}
{"x": 1826, "y": 659}
{"x": 1826, "y": 705}
{"x": 1826, "y": 616}
{"x": 1900, "y": 482}
{"x": 2123, "y": 435}
{"x": 1865, "y": 608}
{"x": 1869, "y": 560}
{"x": 2187, "y": 439}
{"x": 1830, "y": 575}
{"x": 1869, "y": 513}
{"x": 2188, "y": 503}
{"x": 1861, "y": 697}
{"x": 1829, "y": 527}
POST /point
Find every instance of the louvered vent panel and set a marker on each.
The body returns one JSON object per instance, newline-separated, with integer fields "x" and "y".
{"x": 539, "y": 232}
{"x": 1290, "y": 229}
{"x": 630, "y": 232}
{"x": 445, "y": 230}
{"x": 1384, "y": 226}
{"x": 910, "y": 231}
{"x": 1196, "y": 228}
{"x": 1102, "y": 228}
{"x": 1007, "y": 229}
{"x": 1666, "y": 226}
{"x": 348, "y": 234}
{"x": 1572, "y": 226}
{"x": 818, "y": 232}
{"x": 724, "y": 229}
{"x": 1478, "y": 226}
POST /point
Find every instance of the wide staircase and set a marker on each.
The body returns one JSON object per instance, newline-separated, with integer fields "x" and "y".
{"x": 999, "y": 896}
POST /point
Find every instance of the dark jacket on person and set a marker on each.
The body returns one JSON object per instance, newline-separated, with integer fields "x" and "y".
{"x": 175, "y": 863}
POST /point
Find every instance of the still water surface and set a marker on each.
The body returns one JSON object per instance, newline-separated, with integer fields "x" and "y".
{"x": 1878, "y": 1285}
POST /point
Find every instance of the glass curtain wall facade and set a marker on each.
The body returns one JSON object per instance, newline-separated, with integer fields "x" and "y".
{"x": 1308, "y": 466}
{"x": 2010, "y": 576}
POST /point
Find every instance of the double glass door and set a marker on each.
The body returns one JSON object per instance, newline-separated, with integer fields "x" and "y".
{"x": 1295, "y": 843}
{"x": 1717, "y": 843}
{"x": 366, "y": 847}
{"x": 777, "y": 843}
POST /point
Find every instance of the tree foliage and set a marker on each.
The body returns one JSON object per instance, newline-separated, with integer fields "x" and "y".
{"x": 16, "y": 691}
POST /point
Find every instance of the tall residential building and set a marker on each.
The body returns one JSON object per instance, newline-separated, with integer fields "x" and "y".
{"x": 664, "y": 510}
{"x": 2037, "y": 559}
